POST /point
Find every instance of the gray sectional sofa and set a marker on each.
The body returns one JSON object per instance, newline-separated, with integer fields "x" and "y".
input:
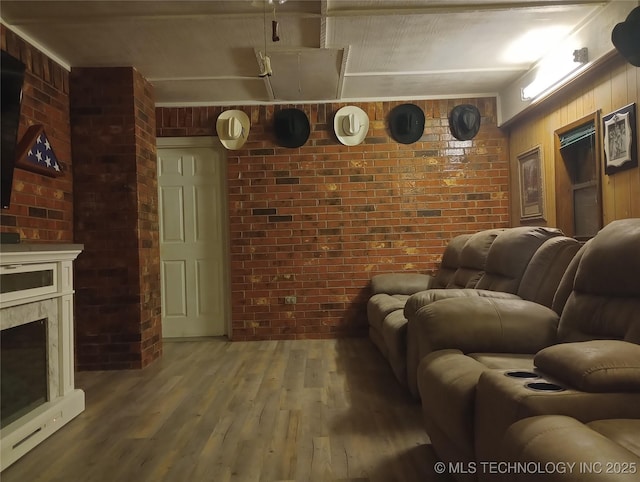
{"x": 462, "y": 266}
{"x": 491, "y": 263}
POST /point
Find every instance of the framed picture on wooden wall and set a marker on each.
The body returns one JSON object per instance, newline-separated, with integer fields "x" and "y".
{"x": 620, "y": 144}
{"x": 531, "y": 185}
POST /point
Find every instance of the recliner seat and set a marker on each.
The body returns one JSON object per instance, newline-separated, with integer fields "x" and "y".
{"x": 522, "y": 263}
{"x": 462, "y": 266}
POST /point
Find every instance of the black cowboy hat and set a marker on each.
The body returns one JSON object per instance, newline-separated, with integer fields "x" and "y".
{"x": 625, "y": 37}
{"x": 292, "y": 127}
{"x": 406, "y": 123}
{"x": 464, "y": 121}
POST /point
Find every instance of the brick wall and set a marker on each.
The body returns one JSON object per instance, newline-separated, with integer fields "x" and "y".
{"x": 41, "y": 207}
{"x": 147, "y": 224}
{"x": 117, "y": 276}
{"x": 318, "y": 221}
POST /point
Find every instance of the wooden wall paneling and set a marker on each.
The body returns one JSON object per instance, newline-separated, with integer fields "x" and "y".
{"x": 560, "y": 177}
{"x": 615, "y": 85}
{"x": 602, "y": 96}
{"x": 518, "y": 145}
{"x": 565, "y": 217}
{"x": 620, "y": 98}
{"x": 633, "y": 79}
{"x": 572, "y": 109}
{"x": 545, "y": 131}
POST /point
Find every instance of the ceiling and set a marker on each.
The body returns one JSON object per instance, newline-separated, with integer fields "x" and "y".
{"x": 208, "y": 52}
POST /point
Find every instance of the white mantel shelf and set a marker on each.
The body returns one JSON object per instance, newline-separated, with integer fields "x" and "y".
{"x": 55, "y": 303}
{"x": 27, "y": 252}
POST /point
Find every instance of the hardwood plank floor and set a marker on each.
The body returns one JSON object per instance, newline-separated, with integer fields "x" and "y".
{"x": 212, "y": 410}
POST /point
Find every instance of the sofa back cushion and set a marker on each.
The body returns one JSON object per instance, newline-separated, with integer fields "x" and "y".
{"x": 450, "y": 261}
{"x": 546, "y": 268}
{"x": 510, "y": 254}
{"x": 566, "y": 283}
{"x": 473, "y": 259}
{"x": 605, "y": 300}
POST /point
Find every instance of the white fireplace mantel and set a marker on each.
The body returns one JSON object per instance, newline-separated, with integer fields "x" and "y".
{"x": 54, "y": 301}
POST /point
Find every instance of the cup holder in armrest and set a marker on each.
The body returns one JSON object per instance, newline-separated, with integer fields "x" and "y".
{"x": 544, "y": 387}
{"x": 521, "y": 374}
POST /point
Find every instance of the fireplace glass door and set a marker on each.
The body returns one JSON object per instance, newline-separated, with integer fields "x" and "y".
{"x": 23, "y": 370}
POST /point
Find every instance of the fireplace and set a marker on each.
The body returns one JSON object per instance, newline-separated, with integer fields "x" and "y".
{"x": 37, "y": 394}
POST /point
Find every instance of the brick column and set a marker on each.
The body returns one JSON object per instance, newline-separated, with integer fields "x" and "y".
{"x": 116, "y": 218}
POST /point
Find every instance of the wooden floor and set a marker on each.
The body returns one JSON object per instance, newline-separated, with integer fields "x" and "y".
{"x": 211, "y": 410}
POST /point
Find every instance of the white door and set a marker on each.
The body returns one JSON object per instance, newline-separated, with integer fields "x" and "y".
{"x": 193, "y": 237}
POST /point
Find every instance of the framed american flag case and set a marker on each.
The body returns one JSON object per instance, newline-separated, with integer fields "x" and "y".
{"x": 35, "y": 153}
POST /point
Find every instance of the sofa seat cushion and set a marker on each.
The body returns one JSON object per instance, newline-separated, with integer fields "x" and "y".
{"x": 505, "y": 361}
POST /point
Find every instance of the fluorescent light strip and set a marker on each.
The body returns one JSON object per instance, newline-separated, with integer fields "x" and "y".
{"x": 554, "y": 72}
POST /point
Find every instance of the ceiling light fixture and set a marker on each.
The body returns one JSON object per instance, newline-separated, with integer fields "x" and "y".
{"x": 259, "y": 3}
{"x": 554, "y": 71}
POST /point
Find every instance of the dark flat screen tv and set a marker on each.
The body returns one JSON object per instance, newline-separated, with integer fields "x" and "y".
{"x": 12, "y": 71}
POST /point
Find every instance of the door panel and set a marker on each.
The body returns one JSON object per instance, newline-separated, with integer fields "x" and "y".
{"x": 193, "y": 246}
{"x": 175, "y": 299}
{"x": 172, "y": 206}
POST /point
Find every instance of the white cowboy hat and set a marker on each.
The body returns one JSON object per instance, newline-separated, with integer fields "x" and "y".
{"x": 232, "y": 127}
{"x": 351, "y": 125}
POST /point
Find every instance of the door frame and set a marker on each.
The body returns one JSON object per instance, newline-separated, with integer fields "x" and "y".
{"x": 213, "y": 143}
{"x": 564, "y": 187}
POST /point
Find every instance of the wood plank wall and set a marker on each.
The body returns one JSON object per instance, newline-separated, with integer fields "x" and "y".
{"x": 615, "y": 85}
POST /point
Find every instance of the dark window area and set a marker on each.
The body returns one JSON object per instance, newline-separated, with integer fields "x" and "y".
{"x": 11, "y": 282}
{"x": 578, "y": 199}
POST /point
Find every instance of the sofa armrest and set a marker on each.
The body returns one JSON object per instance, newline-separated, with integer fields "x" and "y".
{"x": 401, "y": 283}
{"x": 593, "y": 366}
{"x": 423, "y": 298}
{"x": 479, "y": 324}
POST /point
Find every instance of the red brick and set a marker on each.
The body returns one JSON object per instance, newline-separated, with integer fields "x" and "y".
{"x": 113, "y": 117}
{"x": 44, "y": 102}
{"x": 353, "y": 211}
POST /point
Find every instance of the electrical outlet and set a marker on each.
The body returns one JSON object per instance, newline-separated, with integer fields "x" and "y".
{"x": 290, "y": 300}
